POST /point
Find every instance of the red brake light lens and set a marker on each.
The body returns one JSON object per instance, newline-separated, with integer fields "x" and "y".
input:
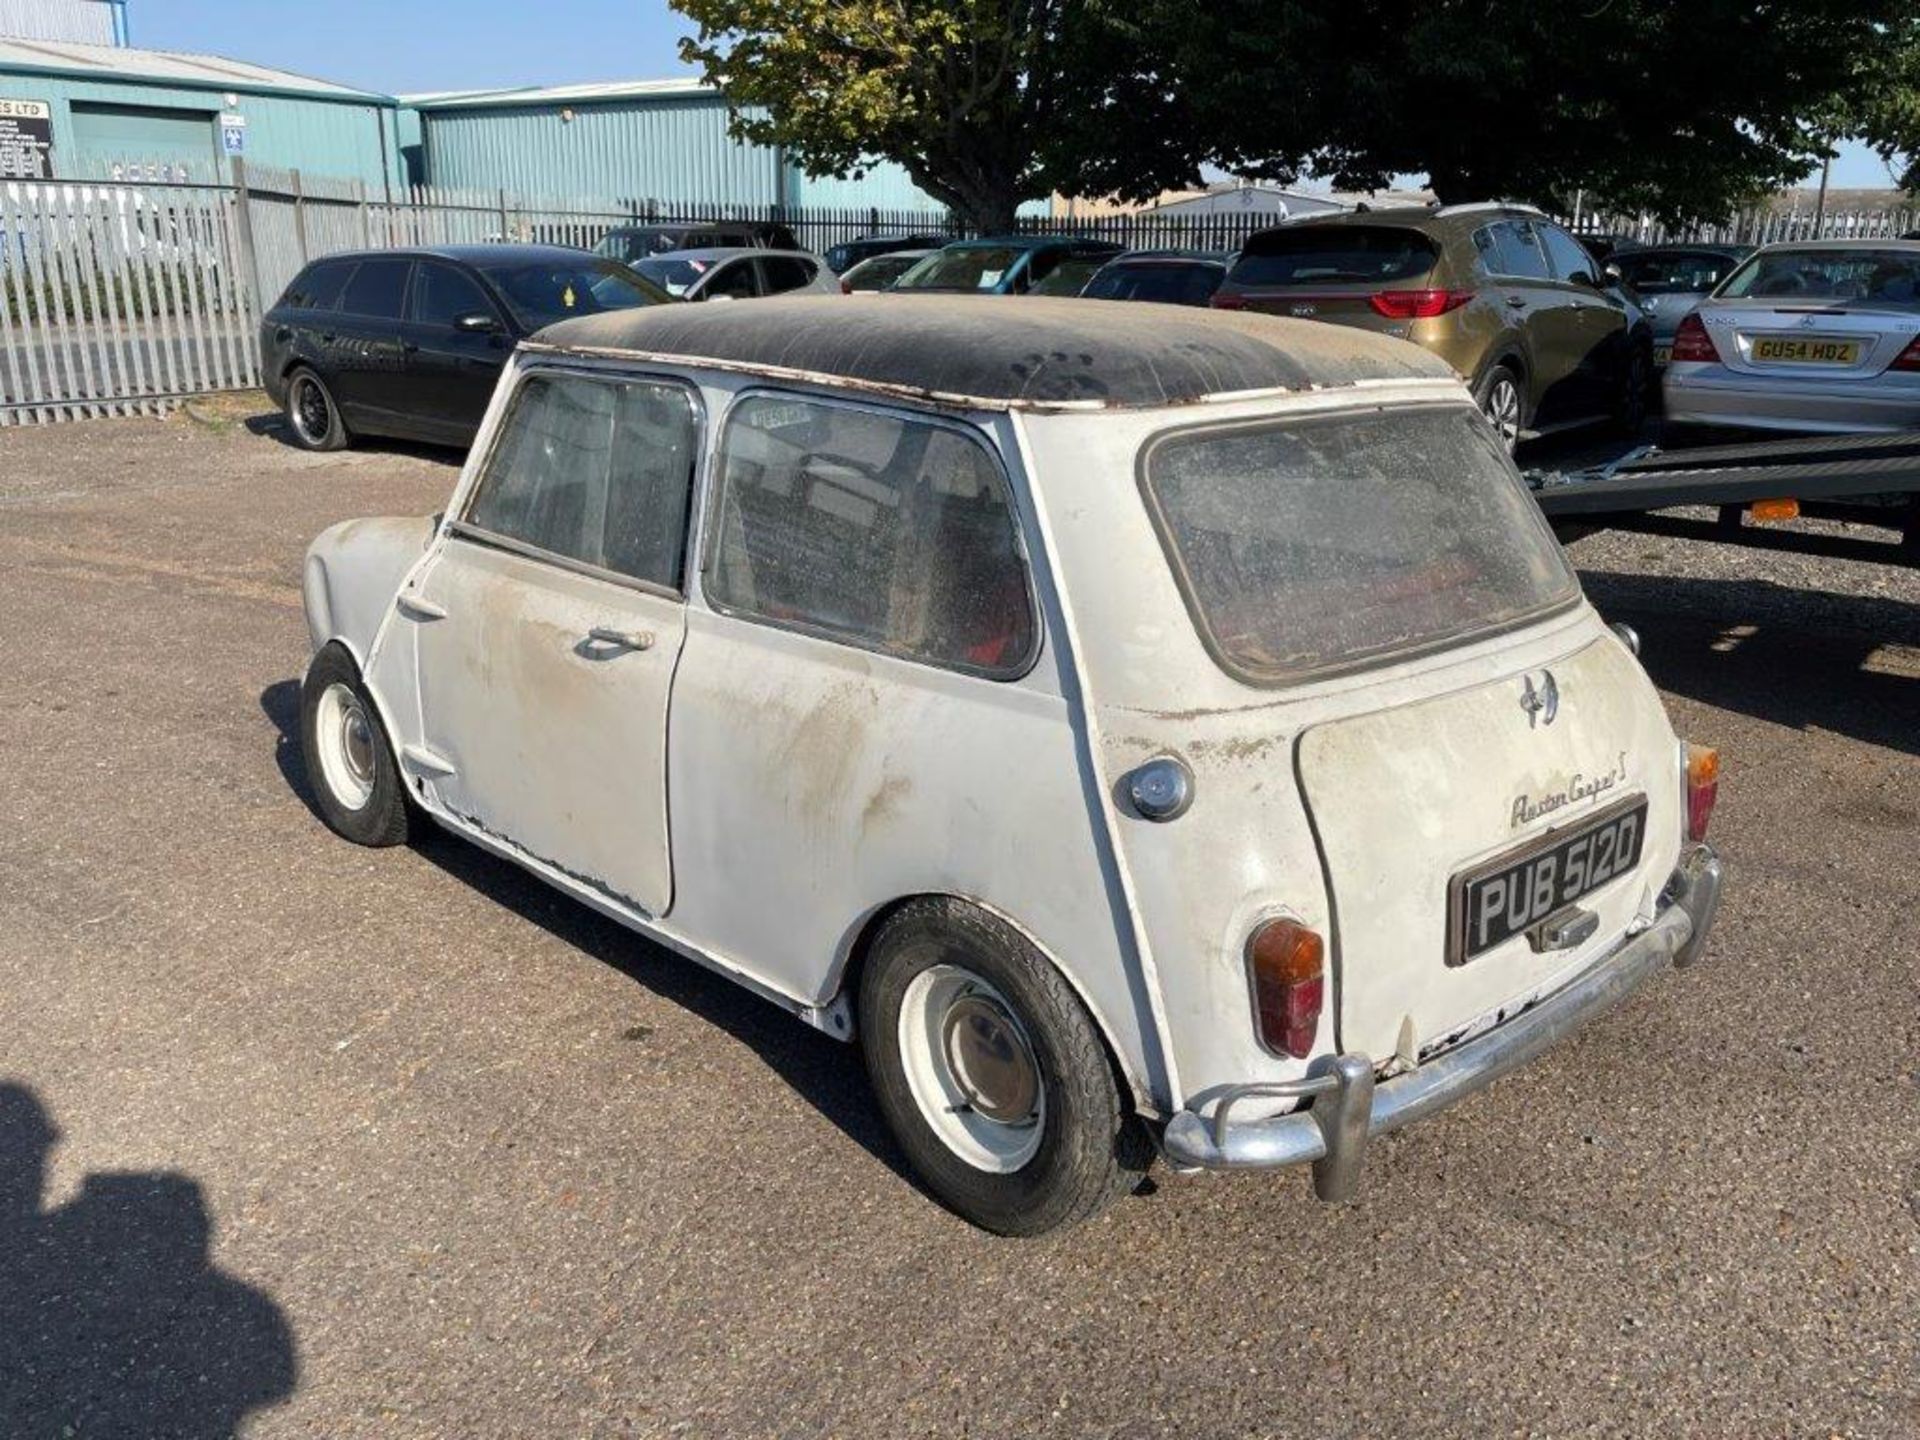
{"x": 1692, "y": 343}
{"x": 1703, "y": 788}
{"x": 1417, "y": 304}
{"x": 1227, "y": 300}
{"x": 1909, "y": 358}
{"x": 1288, "y": 962}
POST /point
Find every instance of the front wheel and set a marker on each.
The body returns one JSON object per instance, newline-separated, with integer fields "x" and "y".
{"x": 356, "y": 784}
{"x": 991, "y": 1073}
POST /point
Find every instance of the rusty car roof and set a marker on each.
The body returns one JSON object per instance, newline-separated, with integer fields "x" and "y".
{"x": 1002, "y": 352}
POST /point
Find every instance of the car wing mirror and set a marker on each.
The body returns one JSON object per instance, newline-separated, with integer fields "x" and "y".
{"x": 477, "y": 323}
{"x": 1611, "y": 273}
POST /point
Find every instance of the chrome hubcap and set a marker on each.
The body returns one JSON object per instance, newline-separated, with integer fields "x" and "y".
{"x": 971, "y": 1068}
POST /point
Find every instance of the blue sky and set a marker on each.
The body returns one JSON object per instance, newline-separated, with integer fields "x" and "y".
{"x": 396, "y": 46}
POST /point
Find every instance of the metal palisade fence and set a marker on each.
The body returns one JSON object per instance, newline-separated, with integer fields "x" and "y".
{"x": 129, "y": 293}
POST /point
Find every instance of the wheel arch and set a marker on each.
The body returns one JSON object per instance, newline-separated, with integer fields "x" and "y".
{"x": 844, "y": 981}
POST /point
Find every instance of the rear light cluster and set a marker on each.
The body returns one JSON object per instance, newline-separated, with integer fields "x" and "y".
{"x": 1288, "y": 964}
{"x": 1703, "y": 788}
{"x": 1692, "y": 343}
{"x": 1909, "y": 358}
{"x": 1417, "y": 304}
{"x": 1228, "y": 300}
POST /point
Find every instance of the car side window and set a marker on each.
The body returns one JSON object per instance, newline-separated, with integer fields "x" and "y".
{"x": 442, "y": 294}
{"x": 595, "y": 471}
{"x": 1516, "y": 254}
{"x": 735, "y": 278}
{"x": 893, "y": 532}
{"x": 1571, "y": 262}
{"x": 785, "y": 272}
{"x": 378, "y": 287}
{"x": 319, "y": 286}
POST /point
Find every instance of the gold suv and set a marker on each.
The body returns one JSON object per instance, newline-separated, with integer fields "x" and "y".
{"x": 1542, "y": 333}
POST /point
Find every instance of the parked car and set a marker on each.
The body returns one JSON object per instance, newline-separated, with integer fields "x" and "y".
{"x": 1171, "y": 277}
{"x": 1669, "y": 280}
{"x": 410, "y": 343}
{"x": 736, "y": 274}
{"x": 1000, "y": 265}
{"x": 880, "y": 272}
{"x": 1820, "y": 335}
{"x": 848, "y": 253}
{"x": 1250, "y": 774}
{"x": 628, "y": 243}
{"x": 1509, "y": 299}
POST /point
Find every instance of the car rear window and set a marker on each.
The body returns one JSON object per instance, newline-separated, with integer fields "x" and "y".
{"x": 1335, "y": 255}
{"x": 1168, "y": 283}
{"x": 1310, "y": 546}
{"x": 970, "y": 267}
{"x": 1871, "y": 276}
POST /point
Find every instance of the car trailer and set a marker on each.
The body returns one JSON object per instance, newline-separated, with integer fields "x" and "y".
{"x": 1867, "y": 479}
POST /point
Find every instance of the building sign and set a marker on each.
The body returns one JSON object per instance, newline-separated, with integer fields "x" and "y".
{"x": 26, "y": 139}
{"x": 233, "y": 134}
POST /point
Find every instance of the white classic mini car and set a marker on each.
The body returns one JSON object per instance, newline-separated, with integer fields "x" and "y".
{"x": 1136, "y": 726}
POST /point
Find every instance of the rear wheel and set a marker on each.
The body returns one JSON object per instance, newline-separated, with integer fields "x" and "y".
{"x": 992, "y": 1074}
{"x": 312, "y": 415}
{"x": 1636, "y": 381}
{"x": 1503, "y": 403}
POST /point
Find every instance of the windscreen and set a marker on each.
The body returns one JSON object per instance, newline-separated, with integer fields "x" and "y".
{"x": 540, "y": 294}
{"x": 1335, "y": 255}
{"x": 1867, "y": 275}
{"x": 965, "y": 267}
{"x": 674, "y": 274}
{"x": 1169, "y": 283}
{"x": 1673, "y": 272}
{"x": 882, "y": 271}
{"x": 627, "y": 246}
{"x": 1315, "y": 545}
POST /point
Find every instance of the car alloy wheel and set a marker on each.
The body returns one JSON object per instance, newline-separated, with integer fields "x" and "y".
{"x": 311, "y": 411}
{"x": 1502, "y": 409}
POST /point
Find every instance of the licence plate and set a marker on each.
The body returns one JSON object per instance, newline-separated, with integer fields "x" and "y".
{"x": 1501, "y": 899}
{"x": 1806, "y": 352}
{"x": 1663, "y": 352}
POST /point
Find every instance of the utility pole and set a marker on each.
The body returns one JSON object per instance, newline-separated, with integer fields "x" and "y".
{"x": 1820, "y": 202}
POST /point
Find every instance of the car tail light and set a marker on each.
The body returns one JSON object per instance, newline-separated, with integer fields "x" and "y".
{"x": 1228, "y": 300}
{"x": 1909, "y": 358}
{"x": 1417, "y": 304}
{"x": 845, "y": 288}
{"x": 1692, "y": 343}
{"x": 1703, "y": 788}
{"x": 1288, "y": 962}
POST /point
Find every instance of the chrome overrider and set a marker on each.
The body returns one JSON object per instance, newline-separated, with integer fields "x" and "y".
{"x": 1349, "y": 1107}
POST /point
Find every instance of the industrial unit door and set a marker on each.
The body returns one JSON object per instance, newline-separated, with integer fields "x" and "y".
{"x": 108, "y": 135}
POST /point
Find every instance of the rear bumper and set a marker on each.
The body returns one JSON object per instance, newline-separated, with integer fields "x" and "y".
{"x": 1709, "y": 394}
{"x": 1348, "y": 1107}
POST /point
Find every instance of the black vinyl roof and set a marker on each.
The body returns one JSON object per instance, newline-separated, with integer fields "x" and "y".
{"x": 1007, "y": 350}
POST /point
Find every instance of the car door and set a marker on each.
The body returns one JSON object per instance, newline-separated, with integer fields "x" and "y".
{"x": 549, "y": 625}
{"x": 1551, "y": 329}
{"x": 732, "y": 280}
{"x": 365, "y": 364}
{"x": 781, "y": 273}
{"x": 456, "y": 343}
{"x": 1599, "y": 321}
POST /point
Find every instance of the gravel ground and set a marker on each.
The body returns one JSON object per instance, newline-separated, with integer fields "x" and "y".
{"x": 403, "y": 1144}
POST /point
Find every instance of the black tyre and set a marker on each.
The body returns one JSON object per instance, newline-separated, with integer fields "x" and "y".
{"x": 312, "y": 415}
{"x": 992, "y": 1074}
{"x": 349, "y": 759}
{"x": 1502, "y": 398}
{"x": 1636, "y": 384}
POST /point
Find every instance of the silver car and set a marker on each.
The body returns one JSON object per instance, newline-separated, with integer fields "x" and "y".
{"x": 737, "y": 273}
{"x": 1807, "y": 336}
{"x": 1668, "y": 281}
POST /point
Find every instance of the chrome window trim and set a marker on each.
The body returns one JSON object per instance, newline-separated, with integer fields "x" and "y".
{"x": 714, "y": 507}
{"x": 460, "y": 527}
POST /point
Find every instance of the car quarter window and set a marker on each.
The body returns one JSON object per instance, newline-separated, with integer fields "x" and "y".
{"x": 892, "y": 531}
{"x": 1570, "y": 258}
{"x": 734, "y": 278}
{"x": 318, "y": 286}
{"x": 594, "y": 471}
{"x": 442, "y": 294}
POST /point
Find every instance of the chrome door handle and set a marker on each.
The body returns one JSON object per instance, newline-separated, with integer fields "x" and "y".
{"x": 625, "y": 639}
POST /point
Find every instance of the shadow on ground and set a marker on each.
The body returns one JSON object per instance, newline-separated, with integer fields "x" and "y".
{"x": 826, "y": 1073}
{"x": 1778, "y": 653}
{"x": 114, "y": 1321}
{"x": 273, "y": 425}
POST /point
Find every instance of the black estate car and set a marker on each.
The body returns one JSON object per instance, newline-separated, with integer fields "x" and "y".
{"x": 410, "y": 342}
